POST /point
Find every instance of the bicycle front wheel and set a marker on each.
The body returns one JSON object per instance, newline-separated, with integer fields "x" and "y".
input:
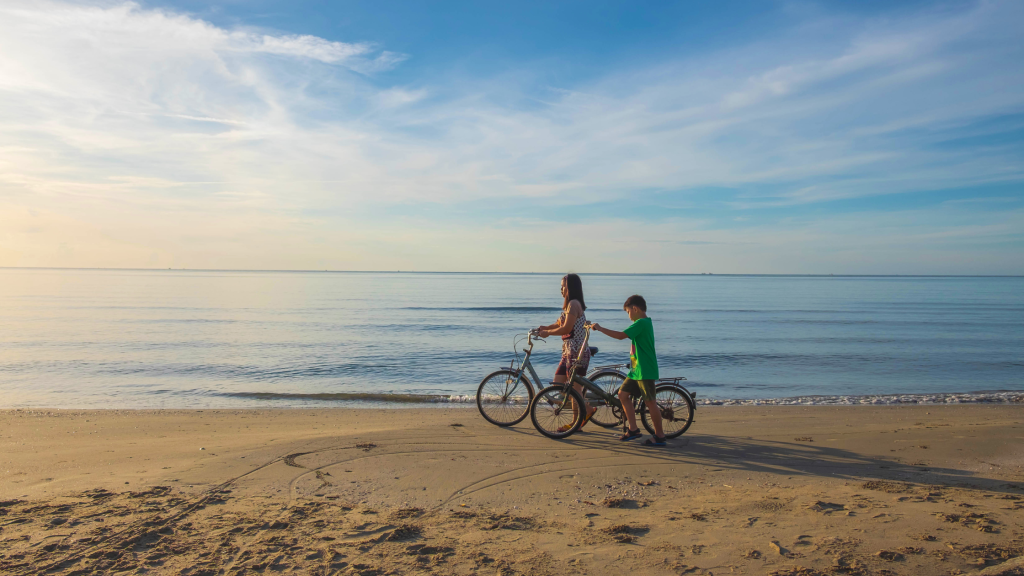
{"x": 609, "y": 381}
{"x": 557, "y": 411}
{"x": 676, "y": 411}
{"x": 503, "y": 398}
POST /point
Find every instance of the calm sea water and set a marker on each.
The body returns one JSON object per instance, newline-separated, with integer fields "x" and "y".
{"x": 112, "y": 338}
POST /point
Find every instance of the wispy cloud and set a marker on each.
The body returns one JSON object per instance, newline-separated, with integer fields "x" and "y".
{"x": 115, "y": 109}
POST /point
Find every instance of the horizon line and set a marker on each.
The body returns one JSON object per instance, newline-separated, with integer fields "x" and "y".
{"x": 328, "y": 271}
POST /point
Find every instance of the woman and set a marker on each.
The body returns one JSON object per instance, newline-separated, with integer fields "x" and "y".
{"x": 570, "y": 327}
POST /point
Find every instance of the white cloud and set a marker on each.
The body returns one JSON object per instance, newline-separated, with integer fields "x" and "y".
{"x": 152, "y": 115}
{"x": 301, "y": 46}
{"x": 394, "y": 97}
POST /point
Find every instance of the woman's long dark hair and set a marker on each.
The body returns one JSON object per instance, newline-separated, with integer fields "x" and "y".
{"x": 574, "y": 291}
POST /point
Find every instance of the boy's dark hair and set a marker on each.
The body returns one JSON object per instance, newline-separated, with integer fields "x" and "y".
{"x": 574, "y": 287}
{"x": 635, "y": 300}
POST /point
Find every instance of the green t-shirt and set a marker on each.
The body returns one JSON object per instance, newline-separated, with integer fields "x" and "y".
{"x": 642, "y": 355}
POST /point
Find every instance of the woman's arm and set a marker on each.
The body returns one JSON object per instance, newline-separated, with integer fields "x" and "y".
{"x": 558, "y": 330}
{"x": 548, "y": 327}
{"x": 613, "y": 333}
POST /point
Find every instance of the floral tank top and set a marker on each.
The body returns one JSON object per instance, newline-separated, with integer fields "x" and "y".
{"x": 572, "y": 341}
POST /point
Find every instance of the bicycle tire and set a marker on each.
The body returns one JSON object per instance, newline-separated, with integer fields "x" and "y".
{"x": 676, "y": 407}
{"x": 604, "y": 416}
{"x": 549, "y": 410}
{"x": 496, "y": 406}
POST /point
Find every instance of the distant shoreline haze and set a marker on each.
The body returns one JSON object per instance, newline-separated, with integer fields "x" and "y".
{"x": 519, "y": 273}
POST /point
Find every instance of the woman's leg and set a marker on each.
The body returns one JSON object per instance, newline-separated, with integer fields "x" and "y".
{"x": 589, "y": 411}
{"x": 581, "y": 368}
{"x": 561, "y": 377}
{"x": 562, "y": 371}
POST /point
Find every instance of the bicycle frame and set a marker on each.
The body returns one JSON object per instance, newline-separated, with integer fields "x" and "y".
{"x": 591, "y": 387}
{"x": 587, "y": 384}
{"x": 530, "y": 373}
{"x": 612, "y": 401}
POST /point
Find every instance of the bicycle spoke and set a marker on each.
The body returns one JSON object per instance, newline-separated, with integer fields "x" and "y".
{"x": 605, "y": 415}
{"x": 503, "y": 399}
{"x": 554, "y": 412}
{"x": 676, "y": 411}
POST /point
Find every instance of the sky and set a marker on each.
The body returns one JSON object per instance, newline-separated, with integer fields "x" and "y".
{"x": 845, "y": 137}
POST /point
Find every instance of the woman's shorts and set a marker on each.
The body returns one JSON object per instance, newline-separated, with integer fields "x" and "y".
{"x": 641, "y": 388}
{"x": 567, "y": 363}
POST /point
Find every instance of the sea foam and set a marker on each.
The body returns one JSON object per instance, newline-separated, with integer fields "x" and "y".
{"x": 1011, "y": 397}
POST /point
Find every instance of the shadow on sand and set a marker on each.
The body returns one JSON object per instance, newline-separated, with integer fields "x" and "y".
{"x": 788, "y": 459}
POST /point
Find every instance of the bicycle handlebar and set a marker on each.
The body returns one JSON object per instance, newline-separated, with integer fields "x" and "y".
{"x": 534, "y": 334}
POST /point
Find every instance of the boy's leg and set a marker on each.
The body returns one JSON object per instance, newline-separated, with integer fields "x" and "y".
{"x": 650, "y": 396}
{"x": 629, "y": 389}
{"x": 655, "y": 411}
{"x": 627, "y": 409}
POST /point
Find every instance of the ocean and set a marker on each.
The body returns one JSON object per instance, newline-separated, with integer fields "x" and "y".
{"x": 222, "y": 339}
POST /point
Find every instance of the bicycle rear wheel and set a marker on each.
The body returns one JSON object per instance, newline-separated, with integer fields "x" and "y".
{"x": 557, "y": 411}
{"x": 676, "y": 411}
{"x": 503, "y": 398}
{"x": 609, "y": 381}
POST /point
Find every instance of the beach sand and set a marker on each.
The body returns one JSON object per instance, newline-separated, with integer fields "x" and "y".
{"x": 748, "y": 490}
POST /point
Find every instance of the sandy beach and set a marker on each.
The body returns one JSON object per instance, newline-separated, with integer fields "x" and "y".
{"x": 748, "y": 490}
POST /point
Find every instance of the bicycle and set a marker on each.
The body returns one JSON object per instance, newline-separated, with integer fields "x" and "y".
{"x": 504, "y": 397}
{"x": 556, "y": 411}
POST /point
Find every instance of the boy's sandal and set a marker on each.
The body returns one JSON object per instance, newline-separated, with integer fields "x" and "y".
{"x": 630, "y": 435}
{"x": 655, "y": 441}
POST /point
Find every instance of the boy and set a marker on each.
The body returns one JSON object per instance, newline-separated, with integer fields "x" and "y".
{"x": 644, "y": 373}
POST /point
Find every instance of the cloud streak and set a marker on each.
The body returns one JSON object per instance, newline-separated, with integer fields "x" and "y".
{"x": 153, "y": 115}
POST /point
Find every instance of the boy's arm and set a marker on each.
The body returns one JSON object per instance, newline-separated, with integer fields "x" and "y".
{"x": 613, "y": 333}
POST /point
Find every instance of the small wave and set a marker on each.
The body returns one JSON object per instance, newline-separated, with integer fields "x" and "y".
{"x": 876, "y": 399}
{"x": 487, "y": 308}
{"x": 342, "y": 397}
{"x": 502, "y": 309}
{"x": 1012, "y": 397}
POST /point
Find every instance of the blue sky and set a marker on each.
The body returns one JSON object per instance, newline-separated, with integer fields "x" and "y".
{"x": 728, "y": 137}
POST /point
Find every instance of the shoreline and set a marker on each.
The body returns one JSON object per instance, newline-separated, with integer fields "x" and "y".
{"x": 748, "y": 490}
{"x": 366, "y": 400}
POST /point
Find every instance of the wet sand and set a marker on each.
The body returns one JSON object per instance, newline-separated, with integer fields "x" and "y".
{"x": 748, "y": 490}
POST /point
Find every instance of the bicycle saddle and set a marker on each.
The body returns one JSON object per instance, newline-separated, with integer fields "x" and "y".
{"x": 593, "y": 350}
